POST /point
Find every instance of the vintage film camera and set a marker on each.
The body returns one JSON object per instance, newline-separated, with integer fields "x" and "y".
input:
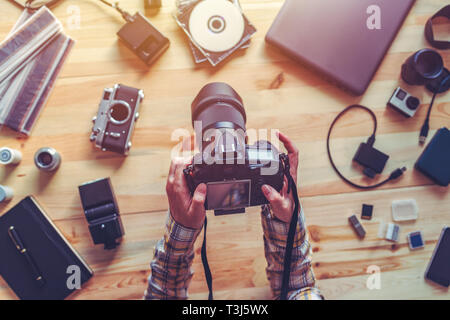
{"x": 232, "y": 171}
{"x": 404, "y": 102}
{"x": 116, "y": 117}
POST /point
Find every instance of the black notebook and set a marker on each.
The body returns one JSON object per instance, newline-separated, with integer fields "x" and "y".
{"x": 36, "y": 260}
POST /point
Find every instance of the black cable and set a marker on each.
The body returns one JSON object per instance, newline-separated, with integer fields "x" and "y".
{"x": 128, "y": 17}
{"x": 426, "y": 124}
{"x": 394, "y": 174}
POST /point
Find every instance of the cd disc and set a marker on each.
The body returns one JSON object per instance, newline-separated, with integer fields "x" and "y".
{"x": 216, "y": 25}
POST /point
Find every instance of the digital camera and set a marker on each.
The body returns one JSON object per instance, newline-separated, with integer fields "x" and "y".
{"x": 116, "y": 117}
{"x": 233, "y": 171}
{"x": 404, "y": 102}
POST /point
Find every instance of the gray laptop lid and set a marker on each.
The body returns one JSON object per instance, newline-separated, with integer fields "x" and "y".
{"x": 333, "y": 36}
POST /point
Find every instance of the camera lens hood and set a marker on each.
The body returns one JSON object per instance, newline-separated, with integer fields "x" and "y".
{"x": 219, "y": 93}
{"x": 422, "y": 67}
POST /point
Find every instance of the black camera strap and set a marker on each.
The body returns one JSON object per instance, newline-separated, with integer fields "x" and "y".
{"x": 429, "y": 34}
{"x": 289, "y": 243}
{"x": 292, "y": 229}
{"x": 205, "y": 263}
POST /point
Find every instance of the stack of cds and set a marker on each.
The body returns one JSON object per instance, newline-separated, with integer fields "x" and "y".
{"x": 30, "y": 60}
{"x": 216, "y": 28}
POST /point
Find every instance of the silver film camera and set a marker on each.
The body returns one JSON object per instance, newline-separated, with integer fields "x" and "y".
{"x": 116, "y": 117}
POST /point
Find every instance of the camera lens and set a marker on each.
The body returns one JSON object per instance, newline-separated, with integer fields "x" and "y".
{"x": 412, "y": 103}
{"x": 47, "y": 159}
{"x": 218, "y": 106}
{"x": 119, "y": 113}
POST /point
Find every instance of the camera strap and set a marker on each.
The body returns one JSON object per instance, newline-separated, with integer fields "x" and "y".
{"x": 429, "y": 34}
{"x": 205, "y": 263}
{"x": 292, "y": 228}
{"x": 289, "y": 242}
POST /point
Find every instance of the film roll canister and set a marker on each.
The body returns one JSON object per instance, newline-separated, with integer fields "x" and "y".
{"x": 10, "y": 156}
{"x": 6, "y": 193}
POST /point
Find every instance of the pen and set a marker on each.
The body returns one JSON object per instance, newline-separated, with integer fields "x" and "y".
{"x": 17, "y": 241}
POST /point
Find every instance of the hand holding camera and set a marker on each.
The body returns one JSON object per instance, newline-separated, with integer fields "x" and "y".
{"x": 227, "y": 175}
{"x": 233, "y": 171}
{"x": 187, "y": 210}
{"x": 282, "y": 202}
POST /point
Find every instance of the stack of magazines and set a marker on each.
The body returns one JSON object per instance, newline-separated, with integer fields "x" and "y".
{"x": 31, "y": 58}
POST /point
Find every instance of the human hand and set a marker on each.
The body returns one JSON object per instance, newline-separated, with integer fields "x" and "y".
{"x": 282, "y": 203}
{"x": 186, "y": 210}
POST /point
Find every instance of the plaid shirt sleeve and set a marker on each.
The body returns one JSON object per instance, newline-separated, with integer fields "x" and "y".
{"x": 302, "y": 280}
{"x": 171, "y": 266}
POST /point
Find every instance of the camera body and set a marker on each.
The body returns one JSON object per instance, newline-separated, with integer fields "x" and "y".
{"x": 116, "y": 117}
{"x": 233, "y": 171}
{"x": 404, "y": 102}
{"x": 233, "y": 186}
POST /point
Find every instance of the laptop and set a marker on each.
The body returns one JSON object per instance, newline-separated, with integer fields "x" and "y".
{"x": 334, "y": 36}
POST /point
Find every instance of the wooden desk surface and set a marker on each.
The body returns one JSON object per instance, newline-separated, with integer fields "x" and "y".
{"x": 302, "y": 106}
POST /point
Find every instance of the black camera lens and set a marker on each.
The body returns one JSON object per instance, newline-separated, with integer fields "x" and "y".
{"x": 119, "y": 113}
{"x": 412, "y": 103}
{"x": 219, "y": 106}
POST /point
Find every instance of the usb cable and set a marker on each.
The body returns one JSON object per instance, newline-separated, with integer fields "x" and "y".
{"x": 426, "y": 125}
{"x": 128, "y": 17}
{"x": 397, "y": 173}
